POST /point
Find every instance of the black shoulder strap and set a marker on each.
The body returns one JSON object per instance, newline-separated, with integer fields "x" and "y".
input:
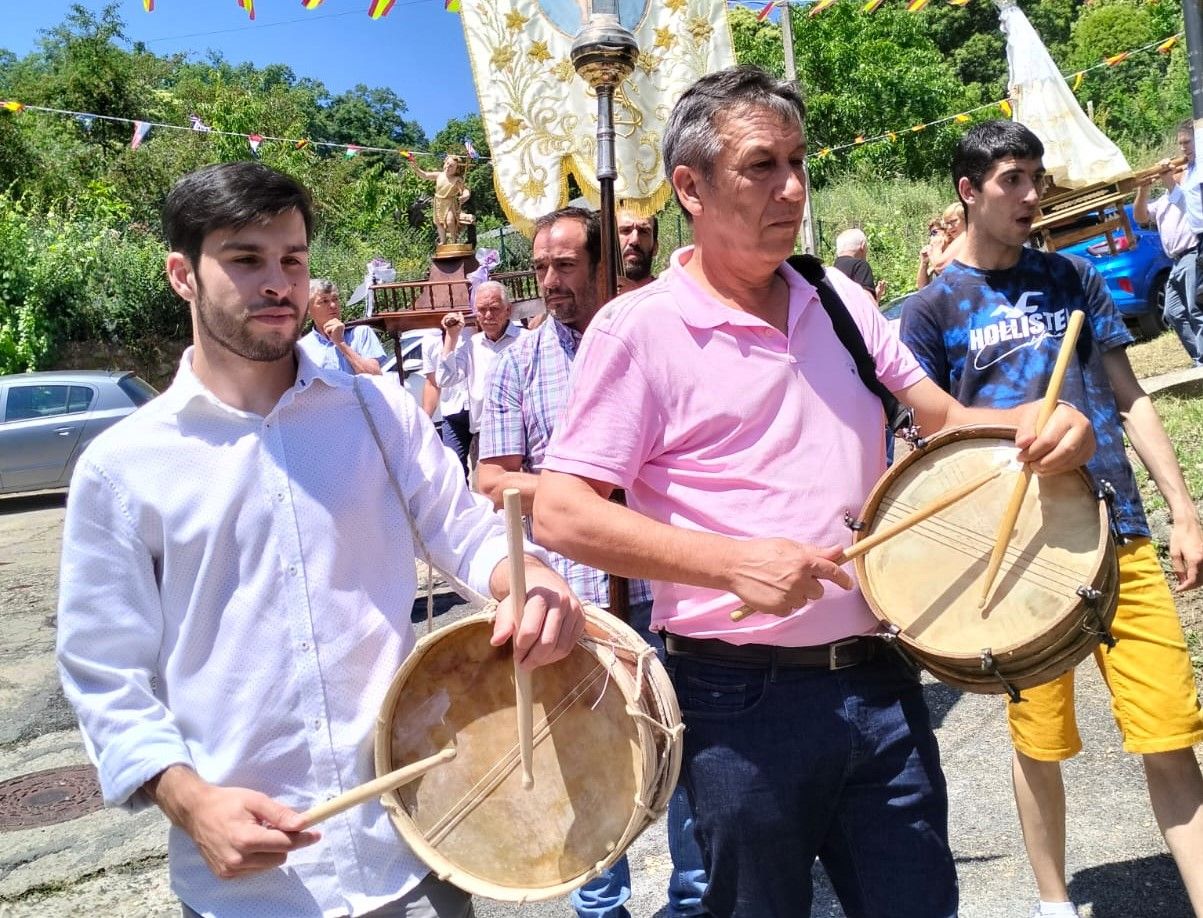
{"x": 898, "y": 415}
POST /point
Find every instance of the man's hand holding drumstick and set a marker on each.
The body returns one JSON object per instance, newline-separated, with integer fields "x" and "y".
{"x": 552, "y": 617}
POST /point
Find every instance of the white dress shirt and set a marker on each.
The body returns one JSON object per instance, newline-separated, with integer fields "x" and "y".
{"x": 472, "y": 362}
{"x": 1186, "y": 196}
{"x": 236, "y": 594}
{"x": 453, "y": 398}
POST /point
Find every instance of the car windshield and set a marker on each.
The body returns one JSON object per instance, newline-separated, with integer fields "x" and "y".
{"x": 139, "y": 391}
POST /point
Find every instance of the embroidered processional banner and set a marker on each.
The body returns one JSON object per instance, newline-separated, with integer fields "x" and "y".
{"x": 541, "y": 117}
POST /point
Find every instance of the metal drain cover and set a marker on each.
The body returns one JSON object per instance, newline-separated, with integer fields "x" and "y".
{"x": 46, "y": 798}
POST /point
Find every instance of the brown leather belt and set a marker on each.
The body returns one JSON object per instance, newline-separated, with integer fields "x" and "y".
{"x": 836, "y": 655}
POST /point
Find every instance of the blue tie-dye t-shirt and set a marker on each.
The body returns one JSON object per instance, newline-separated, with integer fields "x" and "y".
{"x": 990, "y": 338}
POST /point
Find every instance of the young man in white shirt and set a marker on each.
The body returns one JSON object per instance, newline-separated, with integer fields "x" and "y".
{"x": 236, "y": 591}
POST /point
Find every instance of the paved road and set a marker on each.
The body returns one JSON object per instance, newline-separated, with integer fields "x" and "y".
{"x": 114, "y": 864}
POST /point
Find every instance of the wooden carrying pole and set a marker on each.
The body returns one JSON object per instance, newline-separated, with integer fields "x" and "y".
{"x": 1011, "y": 514}
{"x": 511, "y": 499}
{"x": 375, "y": 788}
{"x": 871, "y": 541}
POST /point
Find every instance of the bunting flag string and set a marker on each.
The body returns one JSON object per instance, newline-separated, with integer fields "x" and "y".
{"x": 143, "y": 127}
{"x": 1162, "y": 46}
{"x": 377, "y": 9}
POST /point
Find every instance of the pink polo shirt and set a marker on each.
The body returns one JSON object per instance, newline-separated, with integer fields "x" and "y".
{"x": 713, "y": 420}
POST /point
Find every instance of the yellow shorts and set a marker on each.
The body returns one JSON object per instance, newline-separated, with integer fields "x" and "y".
{"x": 1148, "y": 671}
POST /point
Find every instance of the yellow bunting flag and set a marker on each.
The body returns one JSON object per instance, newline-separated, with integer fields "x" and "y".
{"x": 860, "y": 138}
{"x": 1117, "y": 58}
{"x": 380, "y": 8}
{"x": 892, "y": 136}
{"x": 819, "y": 7}
{"x": 311, "y": 4}
{"x": 1078, "y": 77}
{"x": 961, "y": 118}
{"x": 148, "y": 5}
{"x": 1164, "y": 47}
{"x": 915, "y": 6}
{"x": 918, "y": 127}
{"x": 1006, "y": 107}
{"x": 249, "y": 6}
{"x": 826, "y": 151}
{"x": 302, "y": 143}
{"x": 11, "y": 105}
{"x": 872, "y": 6}
{"x": 958, "y": 2}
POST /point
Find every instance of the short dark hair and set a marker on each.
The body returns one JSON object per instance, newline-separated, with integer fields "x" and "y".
{"x": 986, "y": 144}
{"x": 229, "y": 196}
{"x": 691, "y": 135}
{"x": 592, "y": 228}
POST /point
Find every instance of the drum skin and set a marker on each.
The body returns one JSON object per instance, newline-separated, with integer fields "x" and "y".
{"x": 602, "y": 773}
{"x": 926, "y": 581}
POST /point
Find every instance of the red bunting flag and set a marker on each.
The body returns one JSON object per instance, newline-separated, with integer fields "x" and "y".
{"x": 254, "y": 140}
{"x": 311, "y": 4}
{"x": 819, "y": 7}
{"x": 764, "y": 13}
{"x": 141, "y": 129}
{"x": 380, "y": 8}
{"x": 1165, "y": 46}
{"x": 249, "y": 6}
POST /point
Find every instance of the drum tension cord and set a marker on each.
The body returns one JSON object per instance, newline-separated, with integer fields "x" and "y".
{"x": 1092, "y": 598}
{"x": 989, "y": 666}
{"x": 852, "y": 522}
{"x": 1106, "y": 493}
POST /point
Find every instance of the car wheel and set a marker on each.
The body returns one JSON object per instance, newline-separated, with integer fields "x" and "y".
{"x": 1151, "y": 323}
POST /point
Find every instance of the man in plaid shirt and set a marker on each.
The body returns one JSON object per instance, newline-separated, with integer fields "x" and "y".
{"x": 525, "y": 401}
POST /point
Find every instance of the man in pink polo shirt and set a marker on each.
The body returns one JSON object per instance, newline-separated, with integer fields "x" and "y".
{"x": 721, "y": 399}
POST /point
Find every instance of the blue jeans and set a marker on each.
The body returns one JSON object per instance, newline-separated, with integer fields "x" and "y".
{"x": 786, "y": 765}
{"x": 457, "y": 435}
{"x": 605, "y": 896}
{"x": 1182, "y": 312}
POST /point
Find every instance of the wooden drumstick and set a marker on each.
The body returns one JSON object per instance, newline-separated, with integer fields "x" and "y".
{"x": 511, "y": 501}
{"x": 1011, "y": 514}
{"x": 375, "y": 788}
{"x": 871, "y": 541}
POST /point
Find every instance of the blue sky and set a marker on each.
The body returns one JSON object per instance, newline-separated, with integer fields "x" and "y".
{"x": 417, "y": 50}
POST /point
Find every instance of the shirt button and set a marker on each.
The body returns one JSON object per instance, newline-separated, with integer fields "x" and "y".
{"x": 317, "y": 724}
{"x": 280, "y": 495}
{"x": 304, "y": 645}
{"x": 292, "y": 569}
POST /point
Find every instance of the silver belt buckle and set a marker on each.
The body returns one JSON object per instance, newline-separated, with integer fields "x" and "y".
{"x": 833, "y": 651}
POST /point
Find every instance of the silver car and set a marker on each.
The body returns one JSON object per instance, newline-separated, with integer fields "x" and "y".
{"x": 47, "y": 419}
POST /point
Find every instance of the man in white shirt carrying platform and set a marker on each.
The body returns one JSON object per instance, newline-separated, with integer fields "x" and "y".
{"x": 236, "y": 594}
{"x": 469, "y": 359}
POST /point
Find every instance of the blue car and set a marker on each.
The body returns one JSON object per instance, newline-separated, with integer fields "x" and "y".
{"x": 1135, "y": 275}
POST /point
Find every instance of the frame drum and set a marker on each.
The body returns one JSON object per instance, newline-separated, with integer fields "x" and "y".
{"x": 607, "y": 752}
{"x": 1055, "y": 593}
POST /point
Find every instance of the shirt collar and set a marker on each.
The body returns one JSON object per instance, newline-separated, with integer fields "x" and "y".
{"x": 701, "y": 310}
{"x": 569, "y": 337}
{"x": 187, "y": 387}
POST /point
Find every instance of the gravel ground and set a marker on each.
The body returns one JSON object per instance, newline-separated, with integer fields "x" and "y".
{"x": 115, "y": 864}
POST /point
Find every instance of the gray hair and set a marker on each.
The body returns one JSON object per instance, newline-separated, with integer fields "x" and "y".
{"x": 851, "y": 240}
{"x": 321, "y": 285}
{"x": 491, "y": 285}
{"x": 691, "y": 136}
